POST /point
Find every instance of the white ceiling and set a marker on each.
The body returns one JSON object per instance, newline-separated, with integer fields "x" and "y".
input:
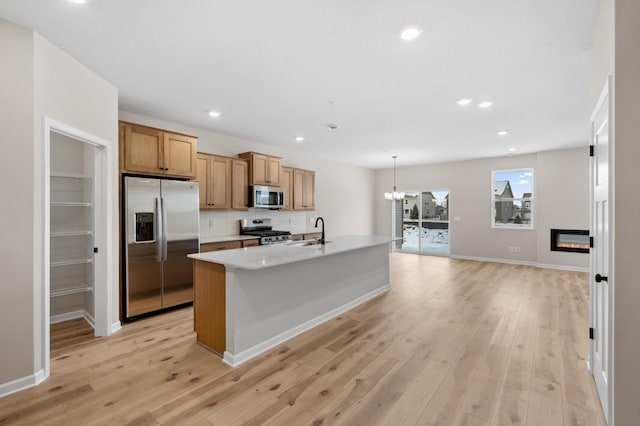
{"x": 274, "y": 67}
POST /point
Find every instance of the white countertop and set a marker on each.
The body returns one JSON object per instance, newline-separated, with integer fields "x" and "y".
{"x": 227, "y": 238}
{"x": 280, "y": 254}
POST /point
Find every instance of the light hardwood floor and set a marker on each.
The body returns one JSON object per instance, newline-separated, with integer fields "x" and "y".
{"x": 454, "y": 342}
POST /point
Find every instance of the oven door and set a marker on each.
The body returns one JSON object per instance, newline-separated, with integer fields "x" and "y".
{"x": 266, "y": 197}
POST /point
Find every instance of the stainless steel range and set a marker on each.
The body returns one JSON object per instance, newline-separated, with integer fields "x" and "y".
{"x": 262, "y": 228}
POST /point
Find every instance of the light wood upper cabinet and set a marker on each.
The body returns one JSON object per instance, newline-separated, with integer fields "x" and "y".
{"x": 214, "y": 180}
{"x": 286, "y": 184}
{"x": 180, "y": 155}
{"x": 303, "y": 189}
{"x": 223, "y": 182}
{"x": 263, "y": 169}
{"x": 239, "y": 184}
{"x": 155, "y": 152}
{"x": 203, "y": 178}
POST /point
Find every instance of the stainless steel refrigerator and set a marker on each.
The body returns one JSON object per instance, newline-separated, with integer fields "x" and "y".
{"x": 161, "y": 219}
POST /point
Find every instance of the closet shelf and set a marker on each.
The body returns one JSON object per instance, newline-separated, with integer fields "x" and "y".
{"x": 69, "y": 204}
{"x": 70, "y": 176}
{"x": 71, "y": 289}
{"x": 70, "y": 262}
{"x": 70, "y": 233}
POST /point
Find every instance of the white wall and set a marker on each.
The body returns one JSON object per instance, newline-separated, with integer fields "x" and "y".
{"x": 560, "y": 201}
{"x": 626, "y": 213}
{"x": 17, "y": 206}
{"x": 37, "y": 79}
{"x": 344, "y": 193}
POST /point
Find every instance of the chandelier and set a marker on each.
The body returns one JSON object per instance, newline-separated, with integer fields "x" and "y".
{"x": 395, "y": 195}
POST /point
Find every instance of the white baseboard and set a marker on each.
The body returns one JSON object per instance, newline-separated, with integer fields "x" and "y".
{"x": 562, "y": 267}
{"x": 521, "y": 262}
{"x": 115, "y": 327}
{"x": 235, "y": 360}
{"x": 67, "y": 316}
{"x": 89, "y": 318}
{"x": 21, "y": 384}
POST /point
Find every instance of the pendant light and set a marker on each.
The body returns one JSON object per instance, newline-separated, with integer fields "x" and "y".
{"x": 395, "y": 195}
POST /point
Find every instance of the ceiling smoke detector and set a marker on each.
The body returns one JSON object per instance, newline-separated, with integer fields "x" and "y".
{"x": 332, "y": 126}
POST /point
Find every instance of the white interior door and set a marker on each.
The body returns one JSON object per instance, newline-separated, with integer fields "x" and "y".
{"x": 600, "y": 285}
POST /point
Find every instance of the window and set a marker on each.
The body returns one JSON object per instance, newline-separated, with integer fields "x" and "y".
{"x": 512, "y": 193}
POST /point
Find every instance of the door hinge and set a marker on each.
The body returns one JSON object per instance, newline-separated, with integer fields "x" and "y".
{"x": 95, "y": 249}
{"x": 591, "y": 333}
{"x": 591, "y": 242}
{"x": 590, "y": 150}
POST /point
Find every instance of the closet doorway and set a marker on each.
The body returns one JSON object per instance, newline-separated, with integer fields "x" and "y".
{"x": 421, "y": 219}
{"x": 77, "y": 231}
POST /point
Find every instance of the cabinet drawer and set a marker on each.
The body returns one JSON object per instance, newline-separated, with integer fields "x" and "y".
{"x": 224, "y": 245}
{"x": 251, "y": 243}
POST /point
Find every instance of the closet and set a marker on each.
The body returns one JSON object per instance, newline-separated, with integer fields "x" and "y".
{"x": 71, "y": 229}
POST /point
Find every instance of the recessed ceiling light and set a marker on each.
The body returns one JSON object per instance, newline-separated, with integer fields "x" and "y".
{"x": 78, "y": 1}
{"x": 502, "y": 132}
{"x": 485, "y": 104}
{"x": 410, "y": 33}
{"x": 512, "y": 149}
{"x": 299, "y": 138}
{"x": 214, "y": 114}
{"x": 464, "y": 101}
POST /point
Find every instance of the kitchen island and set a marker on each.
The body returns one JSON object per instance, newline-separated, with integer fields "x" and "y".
{"x": 247, "y": 301}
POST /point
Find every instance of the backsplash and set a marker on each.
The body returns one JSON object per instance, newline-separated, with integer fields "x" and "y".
{"x": 225, "y": 223}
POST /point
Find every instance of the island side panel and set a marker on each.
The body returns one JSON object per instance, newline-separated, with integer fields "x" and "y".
{"x": 269, "y": 306}
{"x": 209, "y": 310}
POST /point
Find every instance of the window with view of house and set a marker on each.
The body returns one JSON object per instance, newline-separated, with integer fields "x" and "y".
{"x": 512, "y": 192}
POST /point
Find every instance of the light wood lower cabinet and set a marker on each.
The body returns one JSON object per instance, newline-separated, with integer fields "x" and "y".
{"x": 250, "y": 243}
{"x": 225, "y": 245}
{"x": 209, "y": 305}
{"x": 228, "y": 245}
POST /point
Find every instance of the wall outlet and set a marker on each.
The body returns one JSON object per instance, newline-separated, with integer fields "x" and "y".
{"x": 457, "y": 219}
{"x": 210, "y": 223}
{"x": 312, "y": 220}
{"x": 514, "y": 249}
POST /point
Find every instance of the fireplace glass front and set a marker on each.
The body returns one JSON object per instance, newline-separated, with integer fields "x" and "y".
{"x": 571, "y": 240}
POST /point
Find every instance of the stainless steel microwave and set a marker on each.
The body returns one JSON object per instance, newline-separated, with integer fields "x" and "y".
{"x": 268, "y": 197}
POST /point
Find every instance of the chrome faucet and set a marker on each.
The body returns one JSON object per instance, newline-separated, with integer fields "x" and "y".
{"x": 321, "y": 240}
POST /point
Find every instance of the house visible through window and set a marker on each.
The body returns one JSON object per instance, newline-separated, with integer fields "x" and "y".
{"x": 512, "y": 192}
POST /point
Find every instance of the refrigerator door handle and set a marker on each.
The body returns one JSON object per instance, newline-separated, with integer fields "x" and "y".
{"x": 164, "y": 231}
{"x": 159, "y": 230}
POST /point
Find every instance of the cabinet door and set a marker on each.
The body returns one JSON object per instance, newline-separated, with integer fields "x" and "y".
{"x": 202, "y": 176}
{"x": 224, "y": 245}
{"x": 287, "y": 185}
{"x": 298, "y": 187}
{"x": 251, "y": 243}
{"x": 260, "y": 169}
{"x": 308, "y": 190}
{"x": 239, "y": 185}
{"x": 142, "y": 150}
{"x": 275, "y": 168}
{"x": 180, "y": 155}
{"x": 220, "y": 182}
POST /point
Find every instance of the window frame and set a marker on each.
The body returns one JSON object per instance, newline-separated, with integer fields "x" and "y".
{"x": 526, "y": 227}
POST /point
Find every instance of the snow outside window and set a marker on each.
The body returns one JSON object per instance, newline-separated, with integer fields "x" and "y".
{"x": 512, "y": 193}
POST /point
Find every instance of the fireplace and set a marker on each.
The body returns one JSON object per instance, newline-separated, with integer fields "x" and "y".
{"x": 571, "y": 240}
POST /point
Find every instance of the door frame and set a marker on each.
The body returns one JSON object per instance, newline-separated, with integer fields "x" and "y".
{"x": 605, "y": 96}
{"x": 103, "y": 233}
